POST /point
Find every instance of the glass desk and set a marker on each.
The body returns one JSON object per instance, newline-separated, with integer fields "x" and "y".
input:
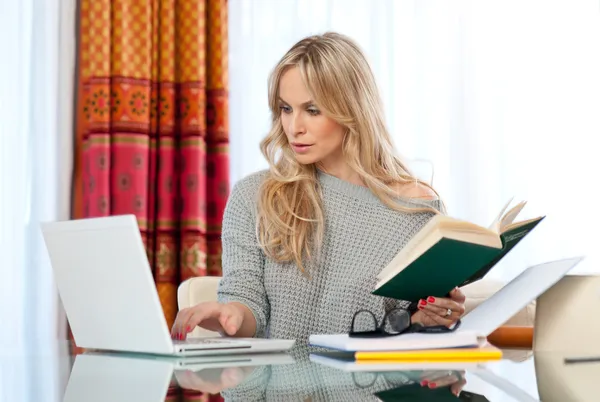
{"x": 59, "y": 375}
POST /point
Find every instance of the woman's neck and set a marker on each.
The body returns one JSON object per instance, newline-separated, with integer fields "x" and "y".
{"x": 342, "y": 171}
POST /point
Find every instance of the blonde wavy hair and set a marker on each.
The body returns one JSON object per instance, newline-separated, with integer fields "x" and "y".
{"x": 290, "y": 220}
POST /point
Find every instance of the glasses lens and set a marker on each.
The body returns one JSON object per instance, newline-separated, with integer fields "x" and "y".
{"x": 364, "y": 321}
{"x": 397, "y": 321}
{"x": 398, "y": 378}
{"x": 364, "y": 379}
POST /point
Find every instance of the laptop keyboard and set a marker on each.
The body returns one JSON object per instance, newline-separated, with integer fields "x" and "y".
{"x": 198, "y": 344}
{"x": 203, "y": 341}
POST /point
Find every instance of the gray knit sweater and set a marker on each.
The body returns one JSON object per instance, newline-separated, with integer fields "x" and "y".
{"x": 361, "y": 236}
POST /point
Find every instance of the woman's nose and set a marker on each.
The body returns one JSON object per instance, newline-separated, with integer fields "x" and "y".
{"x": 297, "y": 124}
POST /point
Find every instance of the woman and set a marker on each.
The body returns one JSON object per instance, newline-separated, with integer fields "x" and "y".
{"x": 304, "y": 241}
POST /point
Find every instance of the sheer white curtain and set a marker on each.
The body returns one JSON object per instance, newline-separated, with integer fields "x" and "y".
{"x": 501, "y": 97}
{"x": 37, "y": 42}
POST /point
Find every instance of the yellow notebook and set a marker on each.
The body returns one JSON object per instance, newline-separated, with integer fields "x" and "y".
{"x": 484, "y": 353}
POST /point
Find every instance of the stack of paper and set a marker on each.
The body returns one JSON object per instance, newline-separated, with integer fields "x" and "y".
{"x": 413, "y": 341}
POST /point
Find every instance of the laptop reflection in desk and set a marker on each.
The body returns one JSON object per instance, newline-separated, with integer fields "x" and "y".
{"x": 97, "y": 377}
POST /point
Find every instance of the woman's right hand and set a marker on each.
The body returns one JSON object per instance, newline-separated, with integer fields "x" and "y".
{"x": 212, "y": 381}
{"x": 223, "y": 318}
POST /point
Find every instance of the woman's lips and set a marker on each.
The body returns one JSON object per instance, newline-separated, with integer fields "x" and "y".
{"x": 301, "y": 148}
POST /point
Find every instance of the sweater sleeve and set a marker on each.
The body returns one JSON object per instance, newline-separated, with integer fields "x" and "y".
{"x": 242, "y": 258}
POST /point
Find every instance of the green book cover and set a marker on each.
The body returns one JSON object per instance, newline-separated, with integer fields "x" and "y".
{"x": 510, "y": 239}
{"x": 449, "y": 263}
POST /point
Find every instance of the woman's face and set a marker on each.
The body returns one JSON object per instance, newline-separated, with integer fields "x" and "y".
{"x": 314, "y": 137}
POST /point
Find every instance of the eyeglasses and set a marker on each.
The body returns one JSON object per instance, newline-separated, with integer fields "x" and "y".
{"x": 367, "y": 379}
{"x": 394, "y": 322}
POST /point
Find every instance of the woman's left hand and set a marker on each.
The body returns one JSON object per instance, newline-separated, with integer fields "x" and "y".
{"x": 441, "y": 310}
{"x": 439, "y": 378}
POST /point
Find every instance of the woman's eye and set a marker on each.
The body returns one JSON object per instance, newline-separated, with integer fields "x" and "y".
{"x": 285, "y": 109}
{"x": 313, "y": 111}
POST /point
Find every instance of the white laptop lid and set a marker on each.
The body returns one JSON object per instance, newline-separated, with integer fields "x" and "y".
{"x": 106, "y": 284}
{"x": 514, "y": 296}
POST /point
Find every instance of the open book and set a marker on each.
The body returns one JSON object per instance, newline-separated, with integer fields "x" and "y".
{"x": 449, "y": 252}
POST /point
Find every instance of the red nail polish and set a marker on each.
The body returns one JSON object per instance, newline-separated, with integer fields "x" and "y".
{"x": 431, "y": 299}
{"x": 432, "y": 385}
{"x": 188, "y": 329}
{"x": 423, "y": 302}
{"x": 424, "y": 383}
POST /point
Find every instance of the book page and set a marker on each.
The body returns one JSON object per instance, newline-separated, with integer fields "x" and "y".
{"x": 464, "y": 226}
{"x": 489, "y": 239}
{"x": 518, "y": 224}
{"x": 495, "y": 226}
{"x": 438, "y": 227}
{"x": 510, "y": 216}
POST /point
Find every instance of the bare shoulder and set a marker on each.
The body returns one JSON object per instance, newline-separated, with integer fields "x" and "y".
{"x": 416, "y": 190}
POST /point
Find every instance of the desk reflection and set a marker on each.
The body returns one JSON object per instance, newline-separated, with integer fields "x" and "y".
{"x": 122, "y": 377}
{"x": 133, "y": 377}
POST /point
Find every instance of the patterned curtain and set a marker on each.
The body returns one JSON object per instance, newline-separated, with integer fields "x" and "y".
{"x": 152, "y": 129}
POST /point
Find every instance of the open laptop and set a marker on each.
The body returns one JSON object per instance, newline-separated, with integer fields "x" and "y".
{"x": 107, "y": 289}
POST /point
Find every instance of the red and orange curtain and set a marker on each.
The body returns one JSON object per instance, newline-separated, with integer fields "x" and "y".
{"x": 152, "y": 128}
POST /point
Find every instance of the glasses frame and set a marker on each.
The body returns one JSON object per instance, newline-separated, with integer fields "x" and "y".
{"x": 380, "y": 332}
